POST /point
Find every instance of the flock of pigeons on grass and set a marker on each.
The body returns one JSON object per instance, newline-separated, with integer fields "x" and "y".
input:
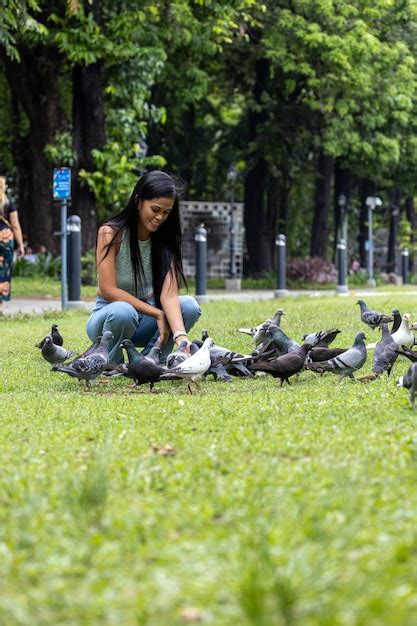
{"x": 274, "y": 352}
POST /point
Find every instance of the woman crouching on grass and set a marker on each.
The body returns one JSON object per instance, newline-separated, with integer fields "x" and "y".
{"x": 139, "y": 269}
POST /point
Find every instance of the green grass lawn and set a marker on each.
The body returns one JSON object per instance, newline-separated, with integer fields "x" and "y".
{"x": 44, "y": 287}
{"x": 274, "y": 506}
{"x": 32, "y": 287}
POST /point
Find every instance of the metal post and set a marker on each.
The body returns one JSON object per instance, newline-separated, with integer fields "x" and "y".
{"x": 74, "y": 261}
{"x": 342, "y": 287}
{"x": 404, "y": 265}
{"x": 371, "y": 202}
{"x": 371, "y": 280}
{"x": 281, "y": 243}
{"x": 63, "y": 233}
{"x": 200, "y": 239}
{"x": 232, "y": 270}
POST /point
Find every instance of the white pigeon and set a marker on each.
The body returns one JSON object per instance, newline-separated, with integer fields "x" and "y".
{"x": 403, "y": 336}
{"x": 194, "y": 367}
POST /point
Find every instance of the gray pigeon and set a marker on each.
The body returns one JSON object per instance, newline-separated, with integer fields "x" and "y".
{"x": 347, "y": 363}
{"x": 372, "y": 318}
{"x": 53, "y": 353}
{"x": 177, "y": 357}
{"x": 385, "y": 355}
{"x": 89, "y": 367}
{"x": 409, "y": 381}
{"x": 154, "y": 355}
{"x": 56, "y": 337}
{"x": 92, "y": 348}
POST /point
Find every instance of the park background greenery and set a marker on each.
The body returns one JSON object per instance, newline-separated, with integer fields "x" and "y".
{"x": 310, "y": 99}
{"x": 245, "y": 503}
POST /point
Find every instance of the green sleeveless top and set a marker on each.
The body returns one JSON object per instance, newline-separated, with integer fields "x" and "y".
{"x": 125, "y": 278}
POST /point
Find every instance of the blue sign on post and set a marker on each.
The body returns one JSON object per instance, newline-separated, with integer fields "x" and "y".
{"x": 61, "y": 183}
{"x": 61, "y": 190}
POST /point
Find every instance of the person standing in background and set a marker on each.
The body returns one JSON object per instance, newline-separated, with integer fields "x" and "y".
{"x": 10, "y": 232}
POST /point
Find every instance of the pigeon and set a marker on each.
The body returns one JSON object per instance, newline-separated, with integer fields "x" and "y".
{"x": 397, "y": 320}
{"x": 56, "y": 337}
{"x": 53, "y": 353}
{"x": 258, "y": 332}
{"x": 322, "y": 338}
{"x": 154, "y": 355}
{"x": 409, "y": 381}
{"x": 372, "y": 318}
{"x": 89, "y": 367}
{"x": 410, "y": 354}
{"x": 277, "y": 341}
{"x": 284, "y": 366}
{"x": 142, "y": 369}
{"x": 255, "y": 329}
{"x": 233, "y": 362}
{"x": 385, "y": 355}
{"x": 385, "y": 352}
{"x": 403, "y": 336}
{"x": 177, "y": 357}
{"x": 217, "y": 368}
{"x": 92, "y": 348}
{"x": 219, "y": 371}
{"x": 194, "y": 367}
{"x": 318, "y": 354}
{"x": 347, "y": 363}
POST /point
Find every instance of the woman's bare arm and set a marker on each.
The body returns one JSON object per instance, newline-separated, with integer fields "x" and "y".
{"x": 17, "y": 232}
{"x": 171, "y": 305}
{"x": 107, "y": 284}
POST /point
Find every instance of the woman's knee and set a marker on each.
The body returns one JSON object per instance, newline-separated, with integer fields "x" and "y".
{"x": 122, "y": 313}
{"x": 117, "y": 317}
{"x": 190, "y": 310}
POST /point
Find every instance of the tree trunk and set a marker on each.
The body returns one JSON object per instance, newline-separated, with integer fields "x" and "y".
{"x": 34, "y": 83}
{"x": 319, "y": 231}
{"x": 273, "y": 198}
{"x": 342, "y": 186}
{"x": 258, "y": 235}
{"x": 393, "y": 231}
{"x": 88, "y": 133}
{"x": 284, "y": 210}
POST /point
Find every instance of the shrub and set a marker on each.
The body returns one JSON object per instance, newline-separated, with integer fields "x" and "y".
{"x": 46, "y": 265}
{"x": 311, "y": 270}
{"x": 22, "y": 267}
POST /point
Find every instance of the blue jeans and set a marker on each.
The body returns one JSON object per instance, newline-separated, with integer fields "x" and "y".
{"x": 125, "y": 322}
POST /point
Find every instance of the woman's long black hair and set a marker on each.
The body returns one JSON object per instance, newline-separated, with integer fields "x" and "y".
{"x": 165, "y": 242}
